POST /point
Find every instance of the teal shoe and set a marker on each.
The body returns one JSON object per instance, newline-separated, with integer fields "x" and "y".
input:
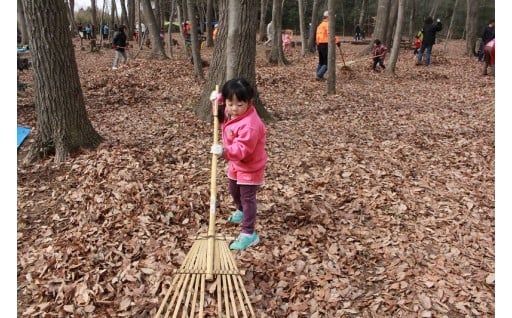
{"x": 236, "y": 217}
{"x": 244, "y": 241}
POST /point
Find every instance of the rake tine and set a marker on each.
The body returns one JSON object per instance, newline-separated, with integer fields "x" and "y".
{"x": 183, "y": 286}
{"x": 177, "y": 277}
{"x": 241, "y": 284}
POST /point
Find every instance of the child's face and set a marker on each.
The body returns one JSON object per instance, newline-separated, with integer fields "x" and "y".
{"x": 235, "y": 107}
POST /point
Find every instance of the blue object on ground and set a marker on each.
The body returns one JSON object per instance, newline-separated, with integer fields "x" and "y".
{"x": 22, "y": 134}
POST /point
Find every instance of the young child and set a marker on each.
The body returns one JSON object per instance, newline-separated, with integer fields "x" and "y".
{"x": 243, "y": 145}
{"x": 379, "y": 53}
{"x": 417, "y": 44}
{"x": 287, "y": 42}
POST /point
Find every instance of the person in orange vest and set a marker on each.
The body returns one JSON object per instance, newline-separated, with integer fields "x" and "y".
{"x": 322, "y": 45}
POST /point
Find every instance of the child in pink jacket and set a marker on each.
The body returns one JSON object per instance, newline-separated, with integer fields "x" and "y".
{"x": 243, "y": 145}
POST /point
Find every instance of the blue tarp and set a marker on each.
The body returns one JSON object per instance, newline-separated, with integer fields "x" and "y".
{"x": 22, "y": 134}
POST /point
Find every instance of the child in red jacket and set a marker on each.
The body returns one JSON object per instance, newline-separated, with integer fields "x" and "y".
{"x": 243, "y": 145}
{"x": 379, "y": 53}
{"x": 417, "y": 44}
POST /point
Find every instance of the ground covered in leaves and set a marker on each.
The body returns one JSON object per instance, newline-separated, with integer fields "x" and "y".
{"x": 378, "y": 202}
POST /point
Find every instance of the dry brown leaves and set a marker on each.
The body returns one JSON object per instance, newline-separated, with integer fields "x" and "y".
{"x": 378, "y": 202}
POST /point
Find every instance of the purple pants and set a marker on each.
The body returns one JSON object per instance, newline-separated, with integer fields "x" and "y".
{"x": 245, "y": 200}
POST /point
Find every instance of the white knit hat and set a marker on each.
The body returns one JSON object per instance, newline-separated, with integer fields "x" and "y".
{"x": 326, "y": 13}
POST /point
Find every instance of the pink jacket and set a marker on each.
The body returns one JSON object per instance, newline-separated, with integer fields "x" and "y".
{"x": 244, "y": 140}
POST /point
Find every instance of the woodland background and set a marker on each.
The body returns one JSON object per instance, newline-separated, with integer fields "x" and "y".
{"x": 379, "y": 200}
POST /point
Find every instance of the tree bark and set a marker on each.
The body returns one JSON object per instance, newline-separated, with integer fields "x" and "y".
{"x": 276, "y": 55}
{"x": 246, "y": 67}
{"x": 449, "y": 32}
{"x": 397, "y": 39}
{"x": 63, "y": 127}
{"x": 331, "y": 52}
{"x": 390, "y": 23}
{"x": 361, "y": 14}
{"x": 196, "y": 57}
{"x": 209, "y": 20}
{"x": 262, "y": 25}
{"x": 471, "y": 26}
{"x": 157, "y": 49}
{"x": 131, "y": 19}
{"x": 302, "y": 26}
{"x": 124, "y": 16}
{"x": 94, "y": 19}
{"x": 380, "y": 26}
{"x": 313, "y": 26}
{"x": 22, "y": 24}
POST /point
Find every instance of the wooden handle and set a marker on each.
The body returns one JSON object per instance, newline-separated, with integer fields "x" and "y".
{"x": 213, "y": 193}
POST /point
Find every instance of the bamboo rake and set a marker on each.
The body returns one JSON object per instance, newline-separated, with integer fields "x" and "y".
{"x": 208, "y": 257}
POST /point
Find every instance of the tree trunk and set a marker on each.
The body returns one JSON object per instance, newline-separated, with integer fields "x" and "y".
{"x": 262, "y": 26}
{"x": 131, "y": 19}
{"x": 471, "y": 26}
{"x": 449, "y": 33}
{"x": 246, "y": 67}
{"x": 412, "y": 32}
{"x": 276, "y": 55}
{"x": 361, "y": 14}
{"x": 302, "y": 26}
{"x": 433, "y": 11}
{"x": 391, "y": 23}
{"x": 313, "y": 26}
{"x": 397, "y": 39}
{"x": 209, "y": 20}
{"x": 157, "y": 49}
{"x": 63, "y": 127}
{"x": 173, "y": 6}
{"x": 233, "y": 40}
{"x": 22, "y": 22}
{"x": 196, "y": 57}
{"x": 124, "y": 17}
{"x": 94, "y": 19}
{"x": 331, "y": 52}
{"x": 380, "y": 26}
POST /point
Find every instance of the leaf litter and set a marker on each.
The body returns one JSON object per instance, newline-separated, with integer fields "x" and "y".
{"x": 378, "y": 201}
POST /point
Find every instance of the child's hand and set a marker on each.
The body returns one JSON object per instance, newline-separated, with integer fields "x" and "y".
{"x": 214, "y": 95}
{"x": 217, "y": 150}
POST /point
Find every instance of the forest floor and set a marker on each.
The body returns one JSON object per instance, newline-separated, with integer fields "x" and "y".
{"x": 378, "y": 200}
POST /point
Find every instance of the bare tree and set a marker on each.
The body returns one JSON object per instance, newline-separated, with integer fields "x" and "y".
{"x": 380, "y": 26}
{"x": 245, "y": 51}
{"x": 276, "y": 55}
{"x": 22, "y": 24}
{"x": 131, "y": 18}
{"x": 395, "y": 49}
{"x": 435, "y": 6}
{"x": 312, "y": 29}
{"x": 157, "y": 49}
{"x": 331, "y": 52}
{"x": 124, "y": 15}
{"x": 209, "y": 19}
{"x": 471, "y": 26}
{"x": 63, "y": 126}
{"x": 449, "y": 32}
{"x": 196, "y": 57}
{"x": 262, "y": 24}
{"x": 390, "y": 23}
{"x": 302, "y": 26}
{"x": 94, "y": 19}
{"x": 362, "y": 12}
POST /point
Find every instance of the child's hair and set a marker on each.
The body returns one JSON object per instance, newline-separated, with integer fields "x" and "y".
{"x": 238, "y": 87}
{"x": 377, "y": 41}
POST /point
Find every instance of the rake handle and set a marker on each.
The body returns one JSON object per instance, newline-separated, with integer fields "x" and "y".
{"x": 213, "y": 194}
